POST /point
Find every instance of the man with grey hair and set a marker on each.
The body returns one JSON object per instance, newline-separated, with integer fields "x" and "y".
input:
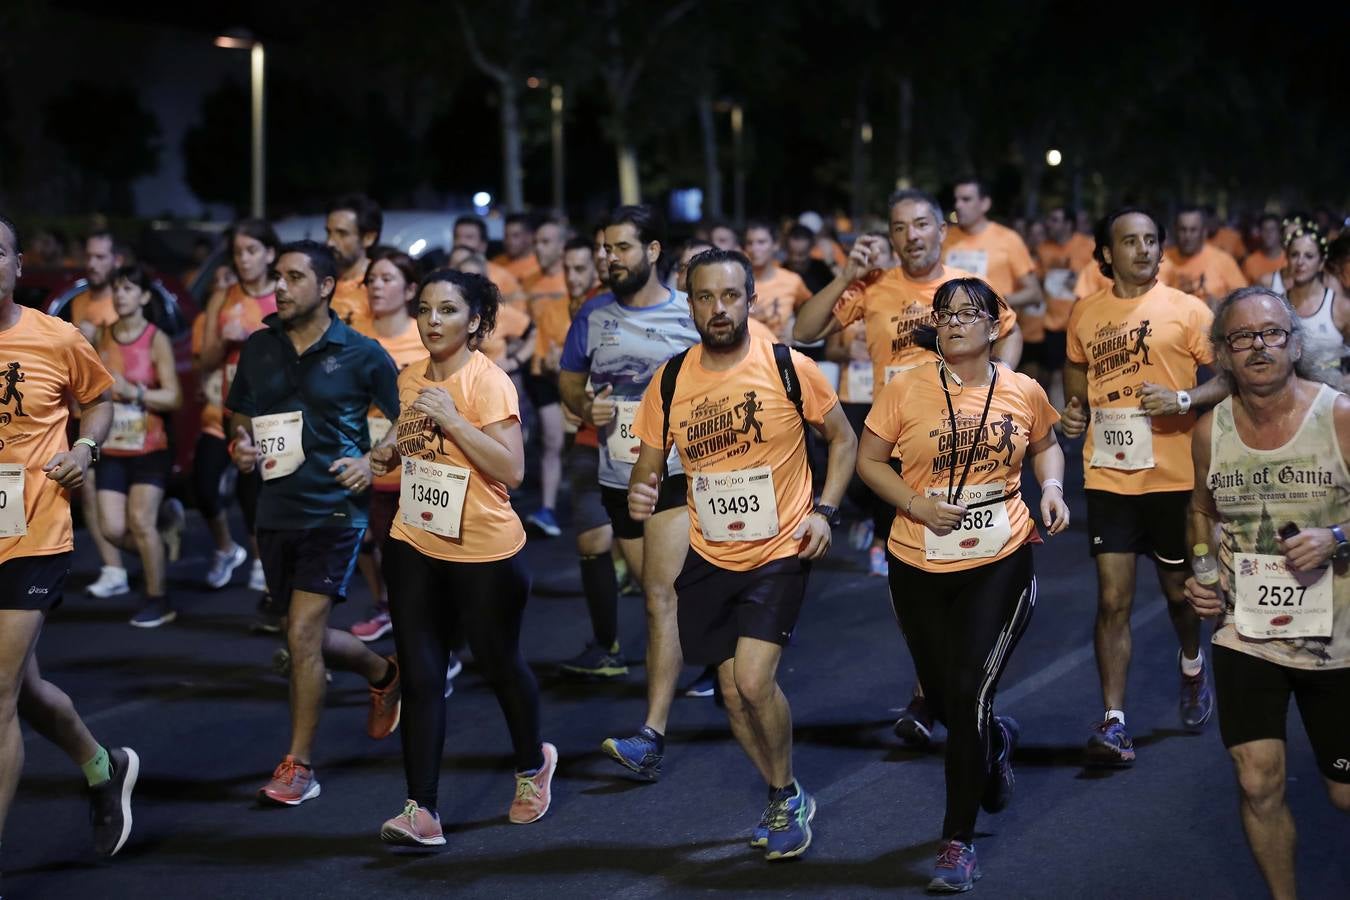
{"x": 892, "y": 304}
{"x": 1272, "y": 479}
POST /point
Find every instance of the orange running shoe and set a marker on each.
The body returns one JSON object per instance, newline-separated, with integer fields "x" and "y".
{"x": 414, "y": 827}
{"x": 292, "y": 783}
{"x": 534, "y": 792}
{"x": 386, "y": 705}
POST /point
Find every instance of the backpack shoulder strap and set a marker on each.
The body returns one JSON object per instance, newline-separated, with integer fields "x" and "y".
{"x": 782, "y": 357}
{"x": 669, "y": 375}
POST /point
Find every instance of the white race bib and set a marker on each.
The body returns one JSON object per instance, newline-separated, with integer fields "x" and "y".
{"x": 736, "y": 506}
{"x": 1059, "y": 283}
{"x": 974, "y": 261}
{"x": 860, "y": 380}
{"x": 431, "y": 496}
{"x": 280, "y": 443}
{"x": 128, "y": 428}
{"x": 982, "y": 532}
{"x": 622, "y": 443}
{"x": 379, "y": 427}
{"x": 12, "y": 520}
{"x": 1272, "y": 602}
{"x": 1121, "y": 439}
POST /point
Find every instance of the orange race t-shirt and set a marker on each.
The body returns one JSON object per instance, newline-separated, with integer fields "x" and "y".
{"x": 999, "y": 256}
{"x": 776, "y": 300}
{"x": 1159, "y": 337}
{"x": 524, "y": 269}
{"x": 1210, "y": 274}
{"x": 404, "y": 349}
{"x": 84, "y": 307}
{"x": 512, "y": 322}
{"x": 1229, "y": 241}
{"x": 249, "y": 312}
{"x": 911, "y": 414}
{"x": 891, "y": 306}
{"x": 351, "y": 304}
{"x": 43, "y": 361}
{"x": 1258, "y": 265}
{"x": 135, "y": 362}
{"x": 1058, "y": 265}
{"x": 212, "y": 416}
{"x": 484, "y": 395}
{"x": 551, "y": 323}
{"x": 735, "y": 420}
{"x": 507, "y": 284}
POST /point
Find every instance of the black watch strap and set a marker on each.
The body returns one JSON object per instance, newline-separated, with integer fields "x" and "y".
{"x": 829, "y": 512}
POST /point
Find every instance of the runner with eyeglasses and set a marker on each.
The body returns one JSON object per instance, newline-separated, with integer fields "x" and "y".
{"x": 961, "y": 575}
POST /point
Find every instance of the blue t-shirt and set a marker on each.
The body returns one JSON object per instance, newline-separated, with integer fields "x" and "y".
{"x": 334, "y": 384}
{"x": 623, "y": 346}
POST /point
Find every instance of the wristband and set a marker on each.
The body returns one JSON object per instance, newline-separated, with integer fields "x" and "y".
{"x": 1053, "y": 481}
{"x": 909, "y": 504}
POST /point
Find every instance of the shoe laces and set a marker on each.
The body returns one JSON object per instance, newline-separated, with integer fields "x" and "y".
{"x": 287, "y": 771}
{"x": 950, "y": 856}
{"x": 526, "y": 789}
{"x": 410, "y": 812}
{"x": 779, "y": 814}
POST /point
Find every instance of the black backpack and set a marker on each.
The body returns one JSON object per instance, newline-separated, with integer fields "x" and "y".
{"x": 782, "y": 358}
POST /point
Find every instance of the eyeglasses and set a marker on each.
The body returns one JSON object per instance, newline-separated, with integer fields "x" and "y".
{"x": 1245, "y": 340}
{"x": 965, "y": 316}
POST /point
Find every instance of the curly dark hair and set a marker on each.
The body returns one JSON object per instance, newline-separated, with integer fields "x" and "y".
{"x": 478, "y": 292}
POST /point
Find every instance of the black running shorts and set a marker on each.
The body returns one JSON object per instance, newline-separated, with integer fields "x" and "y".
{"x": 316, "y": 560}
{"x": 674, "y": 492}
{"x": 1148, "y": 524}
{"x": 34, "y": 582}
{"x": 717, "y": 606}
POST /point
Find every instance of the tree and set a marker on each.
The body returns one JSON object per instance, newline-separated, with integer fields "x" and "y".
{"x": 107, "y": 137}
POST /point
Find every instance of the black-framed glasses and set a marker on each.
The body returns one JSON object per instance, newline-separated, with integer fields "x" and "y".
{"x": 1246, "y": 340}
{"x": 967, "y": 316}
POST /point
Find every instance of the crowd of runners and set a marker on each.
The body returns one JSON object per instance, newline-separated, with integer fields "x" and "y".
{"x": 707, "y": 413}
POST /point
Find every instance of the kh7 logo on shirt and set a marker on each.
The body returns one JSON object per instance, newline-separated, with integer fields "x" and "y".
{"x": 996, "y": 438}
{"x": 1118, "y": 350}
{"x": 715, "y": 427}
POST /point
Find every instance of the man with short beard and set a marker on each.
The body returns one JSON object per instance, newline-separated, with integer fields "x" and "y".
{"x": 92, "y": 308}
{"x": 353, "y": 225}
{"x": 736, "y": 409}
{"x": 617, "y": 341}
{"x": 1198, "y": 268}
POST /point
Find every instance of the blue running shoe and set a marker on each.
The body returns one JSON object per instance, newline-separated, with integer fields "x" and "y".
{"x": 760, "y": 836}
{"x": 1197, "y": 701}
{"x": 1110, "y": 745}
{"x": 998, "y": 790}
{"x": 956, "y": 870}
{"x": 543, "y": 520}
{"x": 790, "y": 825}
{"x": 705, "y": 685}
{"x": 641, "y": 754}
{"x": 915, "y": 725}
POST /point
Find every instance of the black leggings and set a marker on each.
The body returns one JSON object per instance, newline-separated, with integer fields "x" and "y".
{"x": 210, "y": 461}
{"x": 961, "y": 628}
{"x": 868, "y": 503}
{"x": 246, "y": 491}
{"x": 431, "y": 601}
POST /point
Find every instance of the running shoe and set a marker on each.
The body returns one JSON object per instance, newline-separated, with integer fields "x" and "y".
{"x": 386, "y": 705}
{"x": 112, "y": 581}
{"x": 915, "y": 725}
{"x": 414, "y": 827}
{"x": 956, "y": 870}
{"x": 790, "y": 825}
{"x": 640, "y": 754}
{"x": 223, "y": 564}
{"x": 534, "y": 792}
{"x": 453, "y": 668}
{"x": 172, "y": 521}
{"x": 155, "y": 613}
{"x": 759, "y": 838}
{"x": 1197, "y": 700}
{"x": 1110, "y": 745}
{"x": 705, "y": 685}
{"x": 374, "y": 628}
{"x": 596, "y": 662}
{"x": 268, "y": 619}
{"x": 543, "y": 520}
{"x": 292, "y": 783}
{"x": 998, "y": 789}
{"x": 257, "y": 581}
{"x": 860, "y": 534}
{"x": 110, "y": 802}
{"x": 877, "y": 564}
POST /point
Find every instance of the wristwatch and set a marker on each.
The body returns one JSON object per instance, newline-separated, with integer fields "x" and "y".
{"x": 1183, "y": 402}
{"x": 91, "y": 444}
{"x": 829, "y": 512}
{"x": 1342, "y": 551}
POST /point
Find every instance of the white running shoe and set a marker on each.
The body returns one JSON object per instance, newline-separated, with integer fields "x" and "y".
{"x": 112, "y": 580}
{"x": 223, "y": 564}
{"x": 256, "y": 580}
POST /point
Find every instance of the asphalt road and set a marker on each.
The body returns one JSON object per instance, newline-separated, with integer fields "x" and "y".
{"x": 199, "y": 703}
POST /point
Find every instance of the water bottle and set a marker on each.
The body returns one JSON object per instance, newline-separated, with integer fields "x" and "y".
{"x": 1205, "y": 566}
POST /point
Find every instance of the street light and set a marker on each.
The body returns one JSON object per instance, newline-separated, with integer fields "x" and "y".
{"x": 238, "y": 39}
{"x": 556, "y": 133}
{"x": 1053, "y": 158}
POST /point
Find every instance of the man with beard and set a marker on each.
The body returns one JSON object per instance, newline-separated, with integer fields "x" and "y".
{"x": 1133, "y": 352}
{"x": 354, "y": 223}
{"x": 617, "y": 341}
{"x": 753, "y": 528}
{"x": 1198, "y": 268}
{"x": 92, "y": 308}
{"x": 517, "y": 256}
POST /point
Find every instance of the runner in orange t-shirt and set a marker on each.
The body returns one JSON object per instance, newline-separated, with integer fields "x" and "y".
{"x": 962, "y": 579}
{"x": 92, "y": 308}
{"x": 507, "y": 345}
{"x": 1058, "y": 260}
{"x": 1198, "y": 268}
{"x": 518, "y": 248}
{"x": 753, "y": 528}
{"x": 458, "y": 435}
{"x": 470, "y": 233}
{"x": 1269, "y": 257}
{"x": 1133, "y": 355}
{"x": 999, "y": 256}
{"x": 136, "y": 460}
{"x": 548, "y": 309}
{"x": 353, "y": 225}
{"x": 1225, "y": 237}
{"x": 44, "y": 363}
{"x": 778, "y": 291}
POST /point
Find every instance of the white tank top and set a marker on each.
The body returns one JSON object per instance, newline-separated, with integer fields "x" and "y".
{"x": 1323, "y": 346}
{"x": 1256, "y": 491}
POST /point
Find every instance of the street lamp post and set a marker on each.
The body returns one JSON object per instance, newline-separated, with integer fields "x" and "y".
{"x": 242, "y": 40}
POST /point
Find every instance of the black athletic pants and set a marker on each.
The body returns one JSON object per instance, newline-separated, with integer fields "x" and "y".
{"x": 432, "y": 601}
